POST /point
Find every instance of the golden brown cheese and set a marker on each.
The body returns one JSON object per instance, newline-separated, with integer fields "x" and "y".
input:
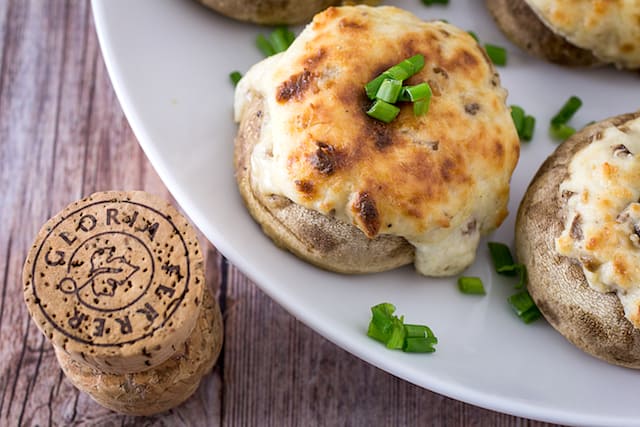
{"x": 608, "y": 28}
{"x": 439, "y": 180}
{"x": 602, "y": 228}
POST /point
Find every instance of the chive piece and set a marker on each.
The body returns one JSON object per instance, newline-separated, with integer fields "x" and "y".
{"x": 418, "y": 92}
{"x": 372, "y": 87}
{"x": 474, "y": 35}
{"x": 521, "y": 302}
{"x": 517, "y": 114}
{"x": 530, "y": 315}
{"x": 264, "y": 45}
{"x": 512, "y": 270}
{"x": 398, "y": 334}
{"x": 420, "y": 107}
{"x": 401, "y": 71}
{"x": 383, "y": 111}
{"x": 235, "y": 77}
{"x": 567, "y": 111}
{"x": 561, "y": 132}
{"x": 471, "y": 285}
{"x": 527, "y": 128}
{"x": 417, "y": 62}
{"x": 497, "y": 54}
{"x": 381, "y": 324}
{"x": 279, "y": 40}
{"x": 418, "y": 345}
{"x": 419, "y": 331}
{"x": 524, "y": 306}
{"x": 389, "y": 90}
{"x": 501, "y": 256}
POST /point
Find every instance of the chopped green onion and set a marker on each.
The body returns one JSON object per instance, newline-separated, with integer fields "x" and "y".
{"x": 419, "y": 345}
{"x": 474, "y": 35}
{"x": 512, "y": 270}
{"x": 567, "y": 111}
{"x": 561, "y": 132}
{"x": 497, "y": 54}
{"x": 432, "y": 2}
{"x": 418, "y": 92}
{"x": 372, "y": 87}
{"x": 381, "y": 324}
{"x": 389, "y": 90}
{"x": 235, "y": 77}
{"x": 391, "y": 330}
{"x": 524, "y": 306}
{"x": 419, "y": 331}
{"x": 279, "y": 39}
{"x": 416, "y": 61}
{"x": 264, "y": 45}
{"x": 527, "y": 128}
{"x": 501, "y": 256}
{"x": 471, "y": 285}
{"x": 517, "y": 114}
{"x": 383, "y": 111}
{"x": 401, "y": 71}
{"x": 398, "y": 334}
{"x": 530, "y": 315}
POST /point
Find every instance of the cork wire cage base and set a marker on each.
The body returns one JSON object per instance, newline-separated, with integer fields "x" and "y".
{"x": 174, "y": 87}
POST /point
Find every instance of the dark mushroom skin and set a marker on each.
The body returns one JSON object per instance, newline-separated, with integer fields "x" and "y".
{"x": 591, "y": 320}
{"x": 270, "y": 12}
{"x": 322, "y": 240}
{"x": 523, "y": 27}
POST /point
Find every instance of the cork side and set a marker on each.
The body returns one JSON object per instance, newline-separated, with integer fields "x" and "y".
{"x": 116, "y": 280}
{"x": 163, "y": 387}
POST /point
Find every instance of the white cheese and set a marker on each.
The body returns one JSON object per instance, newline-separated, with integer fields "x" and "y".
{"x": 602, "y": 228}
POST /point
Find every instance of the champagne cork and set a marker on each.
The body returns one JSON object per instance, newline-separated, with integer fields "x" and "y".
{"x": 116, "y": 283}
{"x": 160, "y": 388}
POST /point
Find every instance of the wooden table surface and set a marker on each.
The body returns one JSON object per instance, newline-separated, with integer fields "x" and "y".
{"x": 63, "y": 136}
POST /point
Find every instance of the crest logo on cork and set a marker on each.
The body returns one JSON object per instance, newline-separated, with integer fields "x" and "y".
{"x": 115, "y": 273}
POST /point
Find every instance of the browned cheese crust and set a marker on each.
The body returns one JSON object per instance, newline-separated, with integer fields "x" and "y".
{"x": 523, "y": 27}
{"x": 591, "y": 320}
{"x": 355, "y": 191}
{"x": 321, "y": 240}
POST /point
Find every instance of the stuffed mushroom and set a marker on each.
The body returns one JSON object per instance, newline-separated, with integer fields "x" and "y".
{"x": 573, "y": 32}
{"x": 578, "y": 234}
{"x": 352, "y": 194}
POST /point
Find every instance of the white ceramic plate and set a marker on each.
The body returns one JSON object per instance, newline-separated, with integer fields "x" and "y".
{"x": 169, "y": 62}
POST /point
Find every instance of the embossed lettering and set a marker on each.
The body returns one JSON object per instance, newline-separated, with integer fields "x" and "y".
{"x": 125, "y": 325}
{"x": 151, "y": 228}
{"x": 164, "y": 290}
{"x": 58, "y": 261}
{"x": 77, "y": 318}
{"x": 65, "y": 237}
{"x": 112, "y": 215}
{"x": 99, "y": 331}
{"x": 171, "y": 269}
{"x": 131, "y": 219}
{"x": 149, "y": 312}
{"x": 87, "y": 223}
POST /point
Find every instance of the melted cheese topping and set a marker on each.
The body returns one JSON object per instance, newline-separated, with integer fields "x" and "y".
{"x": 439, "y": 180}
{"x": 608, "y": 28}
{"x": 602, "y": 229}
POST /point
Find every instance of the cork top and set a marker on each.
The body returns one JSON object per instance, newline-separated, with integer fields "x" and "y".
{"x": 116, "y": 280}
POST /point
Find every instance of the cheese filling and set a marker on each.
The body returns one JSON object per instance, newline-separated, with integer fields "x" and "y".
{"x": 602, "y": 228}
{"x": 440, "y": 181}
